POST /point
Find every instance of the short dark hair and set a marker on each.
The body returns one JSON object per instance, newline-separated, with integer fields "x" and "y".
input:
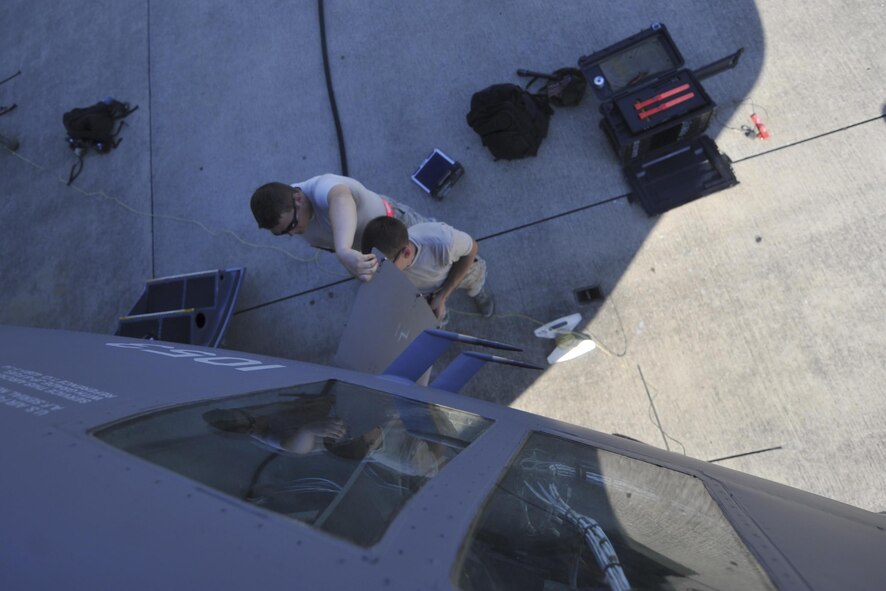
{"x": 269, "y": 202}
{"x": 387, "y": 234}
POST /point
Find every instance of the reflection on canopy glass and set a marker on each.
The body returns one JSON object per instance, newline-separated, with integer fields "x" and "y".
{"x": 569, "y": 516}
{"x": 342, "y": 458}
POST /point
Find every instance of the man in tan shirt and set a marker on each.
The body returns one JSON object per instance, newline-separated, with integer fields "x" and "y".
{"x": 437, "y": 258}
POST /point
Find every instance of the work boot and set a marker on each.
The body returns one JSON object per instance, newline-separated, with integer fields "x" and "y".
{"x": 485, "y": 303}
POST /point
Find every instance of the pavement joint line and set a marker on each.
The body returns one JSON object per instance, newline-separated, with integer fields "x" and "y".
{"x": 569, "y": 212}
{"x": 295, "y": 295}
{"x": 495, "y": 235}
{"x": 572, "y": 211}
{"x": 809, "y": 139}
{"x": 553, "y": 217}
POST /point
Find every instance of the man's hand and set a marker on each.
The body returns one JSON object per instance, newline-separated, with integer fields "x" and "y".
{"x": 438, "y": 305}
{"x": 304, "y": 440}
{"x": 334, "y": 428}
{"x": 362, "y": 266}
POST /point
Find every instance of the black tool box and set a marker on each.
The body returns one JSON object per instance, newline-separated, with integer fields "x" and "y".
{"x": 654, "y": 114}
{"x": 657, "y": 115}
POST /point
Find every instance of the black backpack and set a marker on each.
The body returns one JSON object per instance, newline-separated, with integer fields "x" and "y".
{"x": 511, "y": 121}
{"x": 93, "y": 127}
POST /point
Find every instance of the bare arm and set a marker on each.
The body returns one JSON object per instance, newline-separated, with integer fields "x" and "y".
{"x": 343, "y": 217}
{"x": 305, "y": 439}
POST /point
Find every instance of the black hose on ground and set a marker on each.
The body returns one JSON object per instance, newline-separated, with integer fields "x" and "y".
{"x": 343, "y": 157}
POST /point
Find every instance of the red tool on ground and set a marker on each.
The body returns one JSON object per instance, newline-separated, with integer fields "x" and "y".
{"x": 762, "y": 132}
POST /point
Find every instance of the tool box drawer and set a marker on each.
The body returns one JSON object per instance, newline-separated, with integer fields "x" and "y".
{"x": 689, "y": 170}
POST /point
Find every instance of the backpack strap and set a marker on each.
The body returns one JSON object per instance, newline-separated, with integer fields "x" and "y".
{"x": 120, "y": 110}
{"x": 127, "y": 111}
{"x": 115, "y": 133}
{"x": 77, "y": 167}
{"x": 564, "y": 87}
{"x": 535, "y": 77}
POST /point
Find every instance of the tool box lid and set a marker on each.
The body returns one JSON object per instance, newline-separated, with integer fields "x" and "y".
{"x": 633, "y": 61}
{"x": 693, "y": 169}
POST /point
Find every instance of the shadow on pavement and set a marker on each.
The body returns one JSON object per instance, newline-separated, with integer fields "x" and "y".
{"x": 567, "y": 259}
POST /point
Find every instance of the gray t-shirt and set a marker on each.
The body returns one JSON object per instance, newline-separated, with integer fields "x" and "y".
{"x": 438, "y": 246}
{"x": 370, "y": 205}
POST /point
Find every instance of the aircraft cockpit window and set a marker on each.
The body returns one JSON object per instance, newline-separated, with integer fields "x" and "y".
{"x": 566, "y": 515}
{"x": 339, "y": 457}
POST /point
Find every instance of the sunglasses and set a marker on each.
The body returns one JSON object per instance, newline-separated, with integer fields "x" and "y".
{"x": 293, "y": 224}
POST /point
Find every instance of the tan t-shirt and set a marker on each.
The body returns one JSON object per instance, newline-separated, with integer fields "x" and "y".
{"x": 370, "y": 205}
{"x": 438, "y": 246}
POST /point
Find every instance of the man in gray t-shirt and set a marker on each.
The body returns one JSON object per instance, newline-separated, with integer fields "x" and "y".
{"x": 436, "y": 257}
{"x": 330, "y": 212}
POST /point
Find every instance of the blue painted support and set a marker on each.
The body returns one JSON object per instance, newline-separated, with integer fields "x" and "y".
{"x": 428, "y": 347}
{"x": 466, "y": 365}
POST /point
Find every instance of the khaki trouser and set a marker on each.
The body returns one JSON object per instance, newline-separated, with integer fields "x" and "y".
{"x": 473, "y": 281}
{"x": 406, "y": 214}
{"x": 475, "y": 278}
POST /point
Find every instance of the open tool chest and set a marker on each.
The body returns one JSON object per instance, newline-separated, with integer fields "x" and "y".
{"x": 654, "y": 113}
